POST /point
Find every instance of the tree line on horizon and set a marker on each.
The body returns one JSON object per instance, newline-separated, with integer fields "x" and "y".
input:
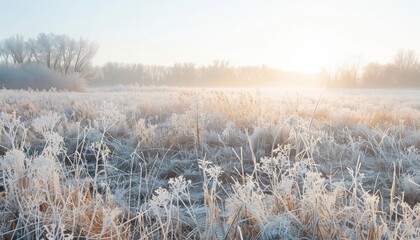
{"x": 402, "y": 72}
{"x": 51, "y": 60}
{"x": 217, "y": 74}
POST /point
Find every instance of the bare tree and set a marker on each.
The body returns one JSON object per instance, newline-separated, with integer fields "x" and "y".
{"x": 4, "y": 54}
{"x": 16, "y": 48}
{"x": 85, "y": 51}
{"x": 45, "y": 44}
{"x": 32, "y": 48}
{"x": 348, "y": 74}
{"x": 373, "y": 74}
{"x": 68, "y": 52}
{"x": 406, "y": 60}
{"x": 155, "y": 74}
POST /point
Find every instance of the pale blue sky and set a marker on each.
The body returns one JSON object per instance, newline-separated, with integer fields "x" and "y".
{"x": 291, "y": 35}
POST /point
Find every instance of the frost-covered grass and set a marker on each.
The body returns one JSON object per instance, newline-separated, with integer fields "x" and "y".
{"x": 173, "y": 163}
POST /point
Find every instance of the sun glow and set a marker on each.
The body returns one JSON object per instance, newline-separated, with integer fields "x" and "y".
{"x": 310, "y": 55}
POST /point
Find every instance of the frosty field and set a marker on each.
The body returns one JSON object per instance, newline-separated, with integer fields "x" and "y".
{"x": 183, "y": 163}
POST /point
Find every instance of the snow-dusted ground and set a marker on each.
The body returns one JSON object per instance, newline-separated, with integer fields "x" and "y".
{"x": 210, "y": 163}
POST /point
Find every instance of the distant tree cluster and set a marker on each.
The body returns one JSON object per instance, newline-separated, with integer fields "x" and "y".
{"x": 61, "y": 54}
{"x": 218, "y": 74}
{"x": 403, "y": 72}
{"x": 57, "y": 52}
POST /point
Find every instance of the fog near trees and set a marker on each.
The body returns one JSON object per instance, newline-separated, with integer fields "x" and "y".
{"x": 218, "y": 74}
{"x": 35, "y": 76}
{"x": 402, "y": 72}
{"x": 59, "y": 61}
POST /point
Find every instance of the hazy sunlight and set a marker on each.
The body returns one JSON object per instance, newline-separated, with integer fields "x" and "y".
{"x": 210, "y": 119}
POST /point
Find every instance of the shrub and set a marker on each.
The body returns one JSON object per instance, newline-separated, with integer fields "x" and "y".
{"x": 35, "y": 76}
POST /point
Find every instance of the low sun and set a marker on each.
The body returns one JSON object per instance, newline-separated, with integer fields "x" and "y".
{"x": 310, "y": 56}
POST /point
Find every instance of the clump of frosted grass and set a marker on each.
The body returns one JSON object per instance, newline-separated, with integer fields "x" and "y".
{"x": 165, "y": 205}
{"x": 46, "y": 123}
{"x": 13, "y": 165}
{"x": 146, "y": 133}
{"x": 13, "y": 129}
{"x": 109, "y": 115}
{"x": 48, "y": 204}
{"x": 300, "y": 190}
{"x": 411, "y": 186}
{"x": 211, "y": 182}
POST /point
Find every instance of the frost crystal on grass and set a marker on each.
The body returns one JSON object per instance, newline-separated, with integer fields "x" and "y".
{"x": 13, "y": 164}
{"x": 213, "y": 171}
{"x": 54, "y": 143}
{"x": 281, "y": 227}
{"x": 109, "y": 115}
{"x": 101, "y": 148}
{"x": 9, "y": 120}
{"x": 43, "y": 167}
{"x": 179, "y": 184}
{"x": 82, "y": 172}
{"x": 160, "y": 202}
{"x": 46, "y": 123}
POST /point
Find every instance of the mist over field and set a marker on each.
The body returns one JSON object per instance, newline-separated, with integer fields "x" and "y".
{"x": 34, "y": 62}
{"x": 209, "y": 120}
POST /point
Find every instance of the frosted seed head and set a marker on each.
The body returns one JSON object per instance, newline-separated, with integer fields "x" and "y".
{"x": 46, "y": 123}
{"x": 14, "y": 161}
{"x": 109, "y": 115}
{"x": 179, "y": 184}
